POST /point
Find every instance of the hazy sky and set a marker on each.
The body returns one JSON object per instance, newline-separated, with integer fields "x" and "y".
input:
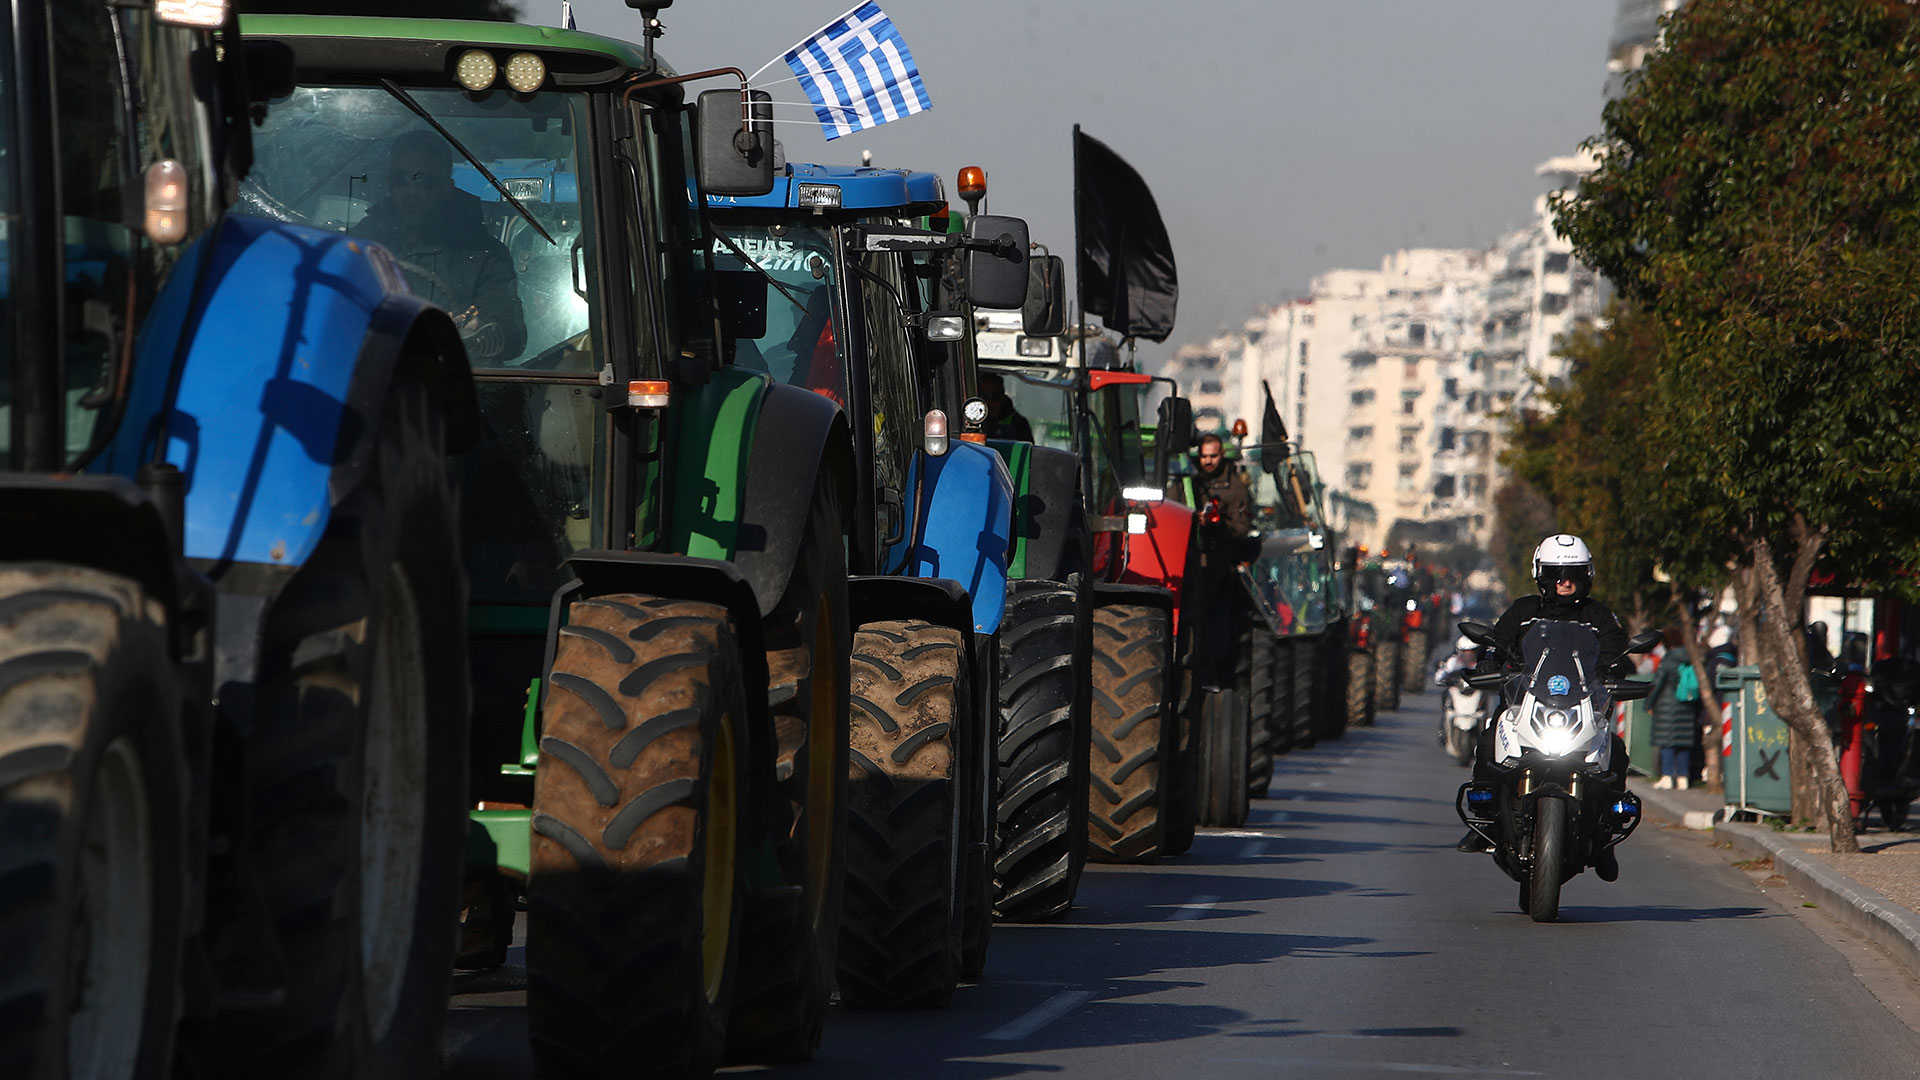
{"x": 1281, "y": 137}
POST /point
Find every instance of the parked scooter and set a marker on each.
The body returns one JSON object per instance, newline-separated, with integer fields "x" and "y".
{"x": 1553, "y": 809}
{"x": 1889, "y": 768}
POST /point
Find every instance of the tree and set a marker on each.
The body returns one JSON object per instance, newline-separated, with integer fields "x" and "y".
{"x": 1759, "y": 195}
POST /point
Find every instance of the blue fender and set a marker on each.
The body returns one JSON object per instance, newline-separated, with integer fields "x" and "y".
{"x": 965, "y": 518}
{"x": 283, "y": 341}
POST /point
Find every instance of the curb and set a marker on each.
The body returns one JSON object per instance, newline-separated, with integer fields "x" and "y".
{"x": 1857, "y": 907}
{"x": 1663, "y": 805}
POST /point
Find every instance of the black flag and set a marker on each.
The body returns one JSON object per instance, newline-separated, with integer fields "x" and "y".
{"x": 1126, "y": 270}
{"x": 1273, "y": 435}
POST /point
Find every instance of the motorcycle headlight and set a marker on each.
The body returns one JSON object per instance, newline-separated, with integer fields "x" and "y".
{"x": 1556, "y": 718}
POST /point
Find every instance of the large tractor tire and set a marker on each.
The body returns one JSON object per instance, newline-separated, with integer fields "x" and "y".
{"x": 635, "y": 897}
{"x": 791, "y": 932}
{"x": 1359, "y": 688}
{"x": 1386, "y": 673}
{"x": 1304, "y": 655}
{"x": 1413, "y": 663}
{"x": 1223, "y": 760}
{"x": 1132, "y": 733}
{"x": 900, "y": 924}
{"x": 356, "y": 765}
{"x": 1256, "y": 664}
{"x": 1280, "y": 720}
{"x": 1330, "y": 652}
{"x": 1043, "y": 771}
{"x": 1182, "y": 809}
{"x": 92, "y": 818}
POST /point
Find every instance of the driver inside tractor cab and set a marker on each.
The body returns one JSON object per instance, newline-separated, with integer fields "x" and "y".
{"x": 1003, "y": 420}
{"x": 437, "y": 233}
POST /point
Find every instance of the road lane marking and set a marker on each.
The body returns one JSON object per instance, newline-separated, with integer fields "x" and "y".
{"x": 1254, "y": 849}
{"x": 1194, "y": 908}
{"x": 1242, "y": 833}
{"x": 1317, "y": 783}
{"x": 1346, "y": 761}
{"x": 1040, "y": 1016}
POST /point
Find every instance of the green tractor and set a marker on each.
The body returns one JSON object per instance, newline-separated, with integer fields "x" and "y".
{"x": 657, "y": 540}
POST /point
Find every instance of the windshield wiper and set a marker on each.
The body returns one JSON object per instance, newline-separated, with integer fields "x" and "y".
{"x": 758, "y": 269}
{"x": 406, "y": 99}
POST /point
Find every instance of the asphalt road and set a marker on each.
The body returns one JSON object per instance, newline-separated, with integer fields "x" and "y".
{"x": 1340, "y": 935}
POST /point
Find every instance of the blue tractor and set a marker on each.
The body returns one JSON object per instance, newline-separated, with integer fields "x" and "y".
{"x": 821, "y": 287}
{"x": 234, "y": 699}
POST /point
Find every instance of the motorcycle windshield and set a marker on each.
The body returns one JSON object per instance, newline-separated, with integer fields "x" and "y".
{"x": 1561, "y": 661}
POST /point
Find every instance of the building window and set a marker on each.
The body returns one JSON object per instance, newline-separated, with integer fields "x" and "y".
{"x": 1303, "y": 352}
{"x": 1408, "y": 435}
{"x": 1303, "y": 384}
{"x": 1557, "y": 262}
{"x": 1443, "y": 487}
{"x": 1446, "y": 438}
{"x": 1210, "y": 386}
{"x": 1359, "y": 475}
{"x": 1451, "y": 388}
{"x": 1412, "y": 369}
{"x": 1417, "y": 333}
{"x": 1360, "y": 398}
{"x": 1360, "y": 434}
{"x": 1406, "y": 404}
{"x": 1406, "y": 479}
{"x": 1306, "y": 318}
{"x": 1553, "y": 303}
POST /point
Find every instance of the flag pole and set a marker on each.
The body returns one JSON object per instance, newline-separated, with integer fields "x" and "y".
{"x": 1079, "y": 253}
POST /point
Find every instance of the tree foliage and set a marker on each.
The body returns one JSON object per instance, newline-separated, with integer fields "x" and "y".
{"x": 1758, "y": 197}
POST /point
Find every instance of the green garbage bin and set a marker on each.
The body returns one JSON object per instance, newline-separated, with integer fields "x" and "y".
{"x": 1637, "y": 720}
{"x": 1756, "y": 773}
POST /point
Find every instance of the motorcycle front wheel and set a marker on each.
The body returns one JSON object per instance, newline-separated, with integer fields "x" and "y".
{"x": 1549, "y": 851}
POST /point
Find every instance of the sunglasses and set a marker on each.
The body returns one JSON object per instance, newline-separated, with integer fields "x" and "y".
{"x": 1575, "y": 574}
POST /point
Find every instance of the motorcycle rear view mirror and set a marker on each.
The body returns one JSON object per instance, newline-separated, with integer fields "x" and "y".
{"x": 1622, "y": 690}
{"x": 1477, "y": 632}
{"x": 1643, "y": 642}
{"x": 1487, "y": 680}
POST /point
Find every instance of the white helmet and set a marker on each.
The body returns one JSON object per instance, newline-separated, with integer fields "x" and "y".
{"x": 1563, "y": 556}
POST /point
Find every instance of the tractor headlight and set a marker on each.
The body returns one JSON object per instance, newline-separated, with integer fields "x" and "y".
{"x": 525, "y": 72}
{"x": 476, "y": 70}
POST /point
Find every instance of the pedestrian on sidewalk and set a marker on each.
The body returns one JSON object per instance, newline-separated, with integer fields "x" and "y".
{"x": 1675, "y": 703}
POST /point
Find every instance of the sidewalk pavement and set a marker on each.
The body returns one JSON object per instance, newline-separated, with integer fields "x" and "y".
{"x": 1874, "y": 893}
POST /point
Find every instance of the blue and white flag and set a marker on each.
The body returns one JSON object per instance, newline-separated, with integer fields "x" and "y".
{"x": 858, "y": 73}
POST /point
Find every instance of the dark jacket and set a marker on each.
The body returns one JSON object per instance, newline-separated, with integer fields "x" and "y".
{"x": 1527, "y": 610}
{"x": 450, "y": 261}
{"x": 1675, "y": 722}
{"x": 1221, "y": 541}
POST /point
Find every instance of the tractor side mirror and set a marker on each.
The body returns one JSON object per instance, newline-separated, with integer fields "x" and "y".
{"x": 1172, "y": 434}
{"x": 997, "y": 278}
{"x": 1045, "y": 312}
{"x": 735, "y": 158}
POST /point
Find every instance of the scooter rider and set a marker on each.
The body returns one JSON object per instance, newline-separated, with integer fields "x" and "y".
{"x": 1563, "y": 571}
{"x": 1465, "y": 658}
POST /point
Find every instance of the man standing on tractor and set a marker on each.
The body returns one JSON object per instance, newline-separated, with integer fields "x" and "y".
{"x": 1226, "y": 516}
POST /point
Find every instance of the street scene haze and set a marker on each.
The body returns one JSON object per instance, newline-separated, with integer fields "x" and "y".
{"x": 634, "y": 540}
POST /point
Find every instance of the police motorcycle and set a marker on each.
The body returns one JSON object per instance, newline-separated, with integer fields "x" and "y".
{"x": 1553, "y": 808}
{"x": 1463, "y": 708}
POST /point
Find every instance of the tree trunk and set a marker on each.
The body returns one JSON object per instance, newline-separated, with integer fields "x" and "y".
{"x": 1782, "y": 642}
{"x": 1709, "y": 694}
{"x": 1747, "y": 610}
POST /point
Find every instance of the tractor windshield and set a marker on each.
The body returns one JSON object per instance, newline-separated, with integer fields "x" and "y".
{"x": 518, "y": 280}
{"x": 776, "y": 286}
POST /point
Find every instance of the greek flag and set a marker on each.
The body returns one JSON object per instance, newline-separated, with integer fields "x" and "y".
{"x": 858, "y": 73}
